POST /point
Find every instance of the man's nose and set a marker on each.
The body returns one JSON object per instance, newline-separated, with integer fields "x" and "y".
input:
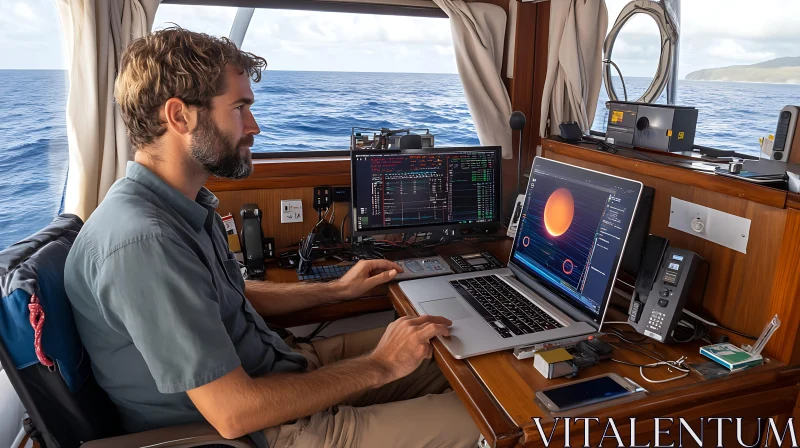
{"x": 250, "y": 125}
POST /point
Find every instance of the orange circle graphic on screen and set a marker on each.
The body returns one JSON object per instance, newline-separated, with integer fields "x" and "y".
{"x": 558, "y": 212}
{"x": 526, "y": 240}
{"x": 567, "y": 266}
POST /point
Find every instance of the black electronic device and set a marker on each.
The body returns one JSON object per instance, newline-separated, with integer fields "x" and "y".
{"x": 585, "y": 392}
{"x": 323, "y": 198}
{"x": 425, "y": 190}
{"x": 668, "y": 279}
{"x": 269, "y": 248}
{"x": 570, "y": 132}
{"x": 663, "y": 127}
{"x": 325, "y": 273}
{"x": 252, "y": 241}
{"x": 595, "y": 346}
{"x": 784, "y": 133}
{"x": 341, "y": 194}
{"x": 637, "y": 239}
{"x": 478, "y": 261}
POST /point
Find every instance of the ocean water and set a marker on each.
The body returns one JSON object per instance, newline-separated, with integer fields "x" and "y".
{"x": 297, "y": 111}
{"x": 303, "y": 111}
{"x": 33, "y": 150}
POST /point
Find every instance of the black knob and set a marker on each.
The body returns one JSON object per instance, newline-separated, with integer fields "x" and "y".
{"x": 664, "y": 292}
{"x": 642, "y": 123}
{"x": 517, "y": 121}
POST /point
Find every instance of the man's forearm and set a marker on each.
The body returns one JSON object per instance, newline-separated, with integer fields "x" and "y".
{"x": 277, "y": 399}
{"x": 272, "y": 299}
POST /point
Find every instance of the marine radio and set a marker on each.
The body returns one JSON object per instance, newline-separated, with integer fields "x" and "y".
{"x": 668, "y": 279}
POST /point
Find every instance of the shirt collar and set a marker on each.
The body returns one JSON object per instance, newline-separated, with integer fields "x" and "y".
{"x": 194, "y": 212}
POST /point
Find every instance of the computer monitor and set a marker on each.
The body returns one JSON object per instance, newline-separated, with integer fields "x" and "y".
{"x": 425, "y": 190}
{"x": 572, "y": 235}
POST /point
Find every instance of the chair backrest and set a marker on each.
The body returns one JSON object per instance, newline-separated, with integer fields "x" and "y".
{"x": 39, "y": 345}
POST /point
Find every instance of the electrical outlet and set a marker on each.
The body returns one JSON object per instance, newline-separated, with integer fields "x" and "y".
{"x": 291, "y": 211}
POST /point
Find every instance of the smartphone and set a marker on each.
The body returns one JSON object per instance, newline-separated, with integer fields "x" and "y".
{"x": 585, "y": 392}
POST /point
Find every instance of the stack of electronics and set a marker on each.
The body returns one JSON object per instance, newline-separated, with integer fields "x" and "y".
{"x": 388, "y": 139}
{"x": 654, "y": 126}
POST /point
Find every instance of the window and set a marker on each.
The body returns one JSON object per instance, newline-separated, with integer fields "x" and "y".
{"x": 737, "y": 105}
{"x": 213, "y": 20}
{"x": 329, "y": 72}
{"x": 33, "y": 134}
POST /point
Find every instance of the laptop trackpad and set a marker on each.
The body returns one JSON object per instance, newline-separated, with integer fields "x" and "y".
{"x": 450, "y": 308}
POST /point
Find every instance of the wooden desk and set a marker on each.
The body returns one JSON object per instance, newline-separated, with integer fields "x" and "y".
{"x": 498, "y": 390}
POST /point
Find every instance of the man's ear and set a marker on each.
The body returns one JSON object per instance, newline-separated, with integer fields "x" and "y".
{"x": 178, "y": 117}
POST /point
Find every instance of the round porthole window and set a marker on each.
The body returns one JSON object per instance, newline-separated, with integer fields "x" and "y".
{"x": 635, "y": 14}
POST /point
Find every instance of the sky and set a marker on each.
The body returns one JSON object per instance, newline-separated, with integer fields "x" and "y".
{"x": 715, "y": 33}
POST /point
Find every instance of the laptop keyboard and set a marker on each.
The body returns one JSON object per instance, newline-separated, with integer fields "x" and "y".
{"x": 502, "y": 307}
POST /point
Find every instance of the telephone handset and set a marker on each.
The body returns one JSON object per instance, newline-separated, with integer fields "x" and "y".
{"x": 667, "y": 279}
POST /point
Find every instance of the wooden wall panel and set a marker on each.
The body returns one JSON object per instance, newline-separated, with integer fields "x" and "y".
{"x": 269, "y": 201}
{"x": 740, "y": 285}
{"x": 785, "y": 298}
{"x": 530, "y": 68}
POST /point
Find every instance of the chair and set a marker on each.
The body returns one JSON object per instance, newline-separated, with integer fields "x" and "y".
{"x": 47, "y": 364}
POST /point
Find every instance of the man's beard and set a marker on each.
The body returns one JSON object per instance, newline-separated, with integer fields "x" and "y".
{"x": 217, "y": 152}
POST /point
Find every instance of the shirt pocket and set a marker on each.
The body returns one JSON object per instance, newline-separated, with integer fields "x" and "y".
{"x": 234, "y": 274}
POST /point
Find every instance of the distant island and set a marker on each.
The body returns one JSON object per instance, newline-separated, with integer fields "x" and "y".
{"x": 777, "y": 71}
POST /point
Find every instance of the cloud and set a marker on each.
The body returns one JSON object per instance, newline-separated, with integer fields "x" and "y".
{"x": 351, "y": 42}
{"x": 310, "y": 40}
{"x": 30, "y": 35}
{"x": 715, "y": 33}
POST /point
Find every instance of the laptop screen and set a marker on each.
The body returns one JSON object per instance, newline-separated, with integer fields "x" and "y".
{"x": 572, "y": 233}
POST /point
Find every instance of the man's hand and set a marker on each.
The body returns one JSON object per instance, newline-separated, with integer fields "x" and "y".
{"x": 407, "y": 342}
{"x": 365, "y": 275}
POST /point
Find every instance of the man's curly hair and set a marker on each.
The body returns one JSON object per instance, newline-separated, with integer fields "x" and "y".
{"x": 174, "y": 63}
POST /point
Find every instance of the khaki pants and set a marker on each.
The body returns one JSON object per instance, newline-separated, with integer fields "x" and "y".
{"x": 410, "y": 413}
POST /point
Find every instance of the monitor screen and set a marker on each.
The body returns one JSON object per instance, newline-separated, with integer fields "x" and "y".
{"x": 421, "y": 189}
{"x": 572, "y": 232}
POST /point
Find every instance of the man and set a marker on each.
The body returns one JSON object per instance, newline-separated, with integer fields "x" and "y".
{"x": 174, "y": 333}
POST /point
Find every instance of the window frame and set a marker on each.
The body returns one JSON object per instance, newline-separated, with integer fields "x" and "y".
{"x": 412, "y": 8}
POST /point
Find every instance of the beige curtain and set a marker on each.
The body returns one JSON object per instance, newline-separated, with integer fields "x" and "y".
{"x": 479, "y": 31}
{"x": 95, "y": 33}
{"x": 574, "y": 63}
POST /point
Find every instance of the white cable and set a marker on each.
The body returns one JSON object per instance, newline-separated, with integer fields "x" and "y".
{"x": 700, "y": 318}
{"x": 673, "y": 364}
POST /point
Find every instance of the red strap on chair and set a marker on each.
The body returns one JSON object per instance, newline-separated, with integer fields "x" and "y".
{"x": 37, "y": 322}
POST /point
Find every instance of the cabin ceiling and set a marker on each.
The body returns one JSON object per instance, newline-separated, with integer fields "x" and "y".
{"x": 415, "y": 8}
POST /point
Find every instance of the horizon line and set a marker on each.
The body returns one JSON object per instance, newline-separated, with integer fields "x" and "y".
{"x": 265, "y": 71}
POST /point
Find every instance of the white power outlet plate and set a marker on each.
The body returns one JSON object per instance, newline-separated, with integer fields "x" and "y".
{"x": 291, "y": 211}
{"x": 713, "y": 225}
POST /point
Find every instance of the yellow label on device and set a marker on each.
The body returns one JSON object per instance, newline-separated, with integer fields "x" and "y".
{"x": 680, "y": 135}
{"x": 669, "y": 132}
{"x": 617, "y": 116}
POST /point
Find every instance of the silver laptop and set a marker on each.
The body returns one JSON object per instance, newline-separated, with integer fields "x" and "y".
{"x": 560, "y": 274}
